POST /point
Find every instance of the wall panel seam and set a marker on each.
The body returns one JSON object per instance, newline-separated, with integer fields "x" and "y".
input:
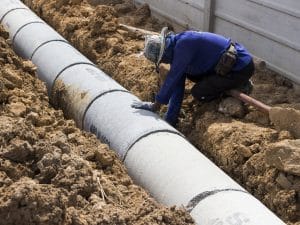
{"x": 201, "y": 8}
{"x": 277, "y": 7}
{"x": 258, "y": 31}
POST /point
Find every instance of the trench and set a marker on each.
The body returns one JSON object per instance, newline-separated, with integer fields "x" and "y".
{"x": 237, "y": 144}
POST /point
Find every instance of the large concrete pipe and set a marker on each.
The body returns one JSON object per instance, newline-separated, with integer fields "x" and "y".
{"x": 157, "y": 156}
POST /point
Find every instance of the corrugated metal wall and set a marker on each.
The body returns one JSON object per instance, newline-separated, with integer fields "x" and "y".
{"x": 270, "y": 29}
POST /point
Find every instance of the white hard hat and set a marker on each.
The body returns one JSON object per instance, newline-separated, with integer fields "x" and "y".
{"x": 155, "y": 46}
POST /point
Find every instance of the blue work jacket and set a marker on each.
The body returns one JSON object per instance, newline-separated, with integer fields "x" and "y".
{"x": 192, "y": 54}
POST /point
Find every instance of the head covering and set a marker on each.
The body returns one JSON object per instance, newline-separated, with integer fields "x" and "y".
{"x": 155, "y": 46}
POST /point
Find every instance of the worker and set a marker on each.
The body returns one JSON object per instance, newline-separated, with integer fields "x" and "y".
{"x": 213, "y": 62}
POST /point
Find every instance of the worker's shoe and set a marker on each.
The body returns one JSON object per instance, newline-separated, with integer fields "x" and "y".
{"x": 246, "y": 88}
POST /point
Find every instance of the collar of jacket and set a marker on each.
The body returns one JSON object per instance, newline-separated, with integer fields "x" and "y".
{"x": 169, "y": 50}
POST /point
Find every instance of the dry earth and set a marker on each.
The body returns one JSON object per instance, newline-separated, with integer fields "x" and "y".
{"x": 53, "y": 173}
{"x": 245, "y": 145}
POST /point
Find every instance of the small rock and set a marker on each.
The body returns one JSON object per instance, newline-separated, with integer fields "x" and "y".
{"x": 4, "y": 34}
{"x": 159, "y": 218}
{"x": 17, "y": 108}
{"x": 33, "y": 117}
{"x": 286, "y": 119}
{"x": 285, "y": 156}
{"x": 104, "y": 158}
{"x": 232, "y": 107}
{"x": 18, "y": 151}
{"x": 284, "y": 135}
{"x": 244, "y": 151}
{"x": 12, "y": 77}
{"x": 283, "y": 181}
{"x": 29, "y": 67}
{"x": 258, "y": 117}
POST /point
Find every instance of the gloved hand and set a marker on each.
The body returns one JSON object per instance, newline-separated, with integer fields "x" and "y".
{"x": 143, "y": 105}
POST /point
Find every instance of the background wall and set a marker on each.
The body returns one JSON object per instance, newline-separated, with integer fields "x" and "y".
{"x": 270, "y": 29}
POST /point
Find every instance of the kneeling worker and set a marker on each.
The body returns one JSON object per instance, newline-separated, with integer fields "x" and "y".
{"x": 213, "y": 62}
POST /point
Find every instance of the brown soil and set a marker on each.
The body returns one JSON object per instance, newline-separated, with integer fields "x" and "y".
{"x": 236, "y": 143}
{"x": 53, "y": 173}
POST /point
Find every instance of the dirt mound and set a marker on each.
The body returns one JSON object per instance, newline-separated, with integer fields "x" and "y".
{"x": 51, "y": 172}
{"x": 237, "y": 144}
{"x": 287, "y": 119}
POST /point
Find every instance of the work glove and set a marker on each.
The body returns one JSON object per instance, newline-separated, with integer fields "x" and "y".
{"x": 143, "y": 105}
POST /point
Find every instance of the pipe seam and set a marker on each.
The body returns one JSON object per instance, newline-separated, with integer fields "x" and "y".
{"x": 41, "y": 45}
{"x": 200, "y": 197}
{"x": 11, "y": 10}
{"x": 147, "y": 134}
{"x": 96, "y": 98}
{"x": 13, "y": 39}
{"x": 67, "y": 67}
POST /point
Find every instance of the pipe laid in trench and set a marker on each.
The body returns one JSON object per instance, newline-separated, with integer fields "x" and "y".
{"x": 157, "y": 156}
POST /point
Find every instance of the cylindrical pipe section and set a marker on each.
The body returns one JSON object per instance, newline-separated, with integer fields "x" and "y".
{"x": 78, "y": 86}
{"x": 156, "y": 155}
{"x": 185, "y": 175}
{"x": 182, "y": 176}
{"x": 54, "y": 58}
{"x": 17, "y": 19}
{"x": 115, "y": 122}
{"x": 9, "y": 5}
{"x": 26, "y": 46}
{"x": 233, "y": 208}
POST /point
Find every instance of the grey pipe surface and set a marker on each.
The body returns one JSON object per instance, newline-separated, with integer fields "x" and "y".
{"x": 120, "y": 125}
{"x": 26, "y": 47}
{"x": 81, "y": 91}
{"x": 157, "y": 156}
{"x": 54, "y": 58}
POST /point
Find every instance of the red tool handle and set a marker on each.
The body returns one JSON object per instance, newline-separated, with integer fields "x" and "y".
{"x": 249, "y": 100}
